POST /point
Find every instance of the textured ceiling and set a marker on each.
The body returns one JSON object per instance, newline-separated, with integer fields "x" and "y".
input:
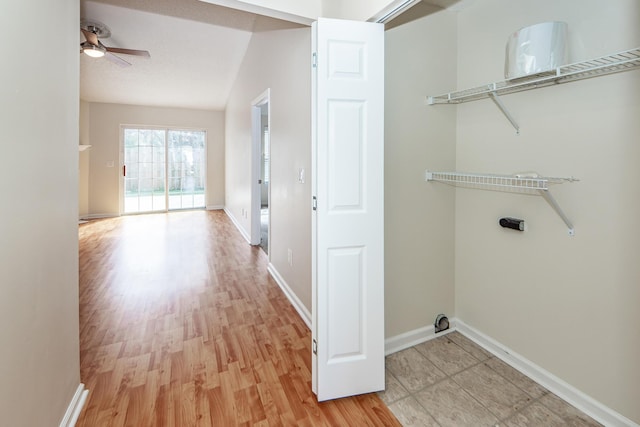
{"x": 196, "y": 50}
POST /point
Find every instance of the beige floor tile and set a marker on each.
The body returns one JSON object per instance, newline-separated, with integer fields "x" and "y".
{"x": 451, "y": 381}
{"x": 471, "y": 347}
{"x": 410, "y": 414}
{"x": 413, "y": 370}
{"x": 523, "y": 382}
{"x": 452, "y": 407}
{"x": 571, "y": 415}
{"x": 497, "y": 394}
{"x": 535, "y": 415}
{"x": 393, "y": 390}
{"x": 446, "y": 355}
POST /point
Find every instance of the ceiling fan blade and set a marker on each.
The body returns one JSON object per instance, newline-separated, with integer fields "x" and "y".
{"x": 90, "y": 37}
{"x": 129, "y": 51}
{"x": 116, "y": 59}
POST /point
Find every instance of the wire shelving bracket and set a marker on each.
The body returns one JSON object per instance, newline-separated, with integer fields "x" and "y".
{"x": 528, "y": 183}
{"x": 604, "y": 65}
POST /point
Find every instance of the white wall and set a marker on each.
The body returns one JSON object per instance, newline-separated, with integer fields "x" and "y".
{"x": 83, "y": 162}
{"x": 39, "y": 355}
{"x": 279, "y": 60}
{"x": 419, "y": 217}
{"x": 104, "y": 136}
{"x": 569, "y": 304}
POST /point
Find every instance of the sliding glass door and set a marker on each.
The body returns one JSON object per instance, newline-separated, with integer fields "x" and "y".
{"x": 164, "y": 169}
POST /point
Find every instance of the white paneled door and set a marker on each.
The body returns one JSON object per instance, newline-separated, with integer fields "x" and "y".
{"x": 348, "y": 220}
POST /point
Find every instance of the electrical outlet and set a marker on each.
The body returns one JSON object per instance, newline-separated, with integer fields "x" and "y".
{"x": 290, "y": 257}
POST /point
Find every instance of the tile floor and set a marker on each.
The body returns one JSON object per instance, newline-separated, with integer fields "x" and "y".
{"x": 451, "y": 381}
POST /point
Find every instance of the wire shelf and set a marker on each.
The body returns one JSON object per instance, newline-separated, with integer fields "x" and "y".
{"x": 615, "y": 63}
{"x": 527, "y": 183}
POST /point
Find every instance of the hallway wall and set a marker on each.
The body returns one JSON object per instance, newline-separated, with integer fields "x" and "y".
{"x": 39, "y": 355}
{"x": 280, "y": 61}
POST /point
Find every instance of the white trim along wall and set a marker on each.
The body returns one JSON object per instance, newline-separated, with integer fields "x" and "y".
{"x": 75, "y": 407}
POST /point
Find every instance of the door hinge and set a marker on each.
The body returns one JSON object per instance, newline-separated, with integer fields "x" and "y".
{"x": 314, "y": 204}
{"x": 315, "y": 347}
{"x": 314, "y": 60}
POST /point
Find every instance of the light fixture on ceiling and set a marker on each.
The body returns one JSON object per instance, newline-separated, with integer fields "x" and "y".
{"x": 92, "y": 50}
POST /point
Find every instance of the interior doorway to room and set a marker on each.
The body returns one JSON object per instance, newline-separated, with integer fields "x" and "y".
{"x": 264, "y": 180}
{"x": 260, "y": 203}
{"x": 162, "y": 169}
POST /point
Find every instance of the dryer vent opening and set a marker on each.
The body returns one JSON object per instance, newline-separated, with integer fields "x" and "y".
{"x": 441, "y": 323}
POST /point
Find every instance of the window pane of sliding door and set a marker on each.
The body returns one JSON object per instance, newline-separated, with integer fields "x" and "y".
{"x": 144, "y": 159}
{"x": 186, "y": 168}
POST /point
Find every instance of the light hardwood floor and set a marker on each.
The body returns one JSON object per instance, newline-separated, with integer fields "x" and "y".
{"x": 181, "y": 325}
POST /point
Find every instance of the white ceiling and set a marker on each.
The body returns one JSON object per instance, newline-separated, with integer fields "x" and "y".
{"x": 196, "y": 50}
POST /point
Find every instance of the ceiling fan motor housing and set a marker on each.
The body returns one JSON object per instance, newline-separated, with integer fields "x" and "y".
{"x": 97, "y": 28}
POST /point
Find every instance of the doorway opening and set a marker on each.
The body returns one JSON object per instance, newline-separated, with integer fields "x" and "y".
{"x": 261, "y": 194}
{"x": 163, "y": 169}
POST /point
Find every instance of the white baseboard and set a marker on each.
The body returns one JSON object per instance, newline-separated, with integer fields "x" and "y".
{"x": 414, "y": 337}
{"x": 580, "y": 400}
{"x": 113, "y": 215}
{"x": 238, "y": 226}
{"x": 291, "y": 296}
{"x": 75, "y": 407}
{"x": 100, "y": 215}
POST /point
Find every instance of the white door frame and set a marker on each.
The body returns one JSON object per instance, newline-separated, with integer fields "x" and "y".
{"x": 256, "y": 159}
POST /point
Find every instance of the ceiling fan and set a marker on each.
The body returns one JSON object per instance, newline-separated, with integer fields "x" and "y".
{"x": 93, "y": 47}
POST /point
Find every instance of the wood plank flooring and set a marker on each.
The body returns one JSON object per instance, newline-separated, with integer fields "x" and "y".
{"x": 181, "y": 325}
